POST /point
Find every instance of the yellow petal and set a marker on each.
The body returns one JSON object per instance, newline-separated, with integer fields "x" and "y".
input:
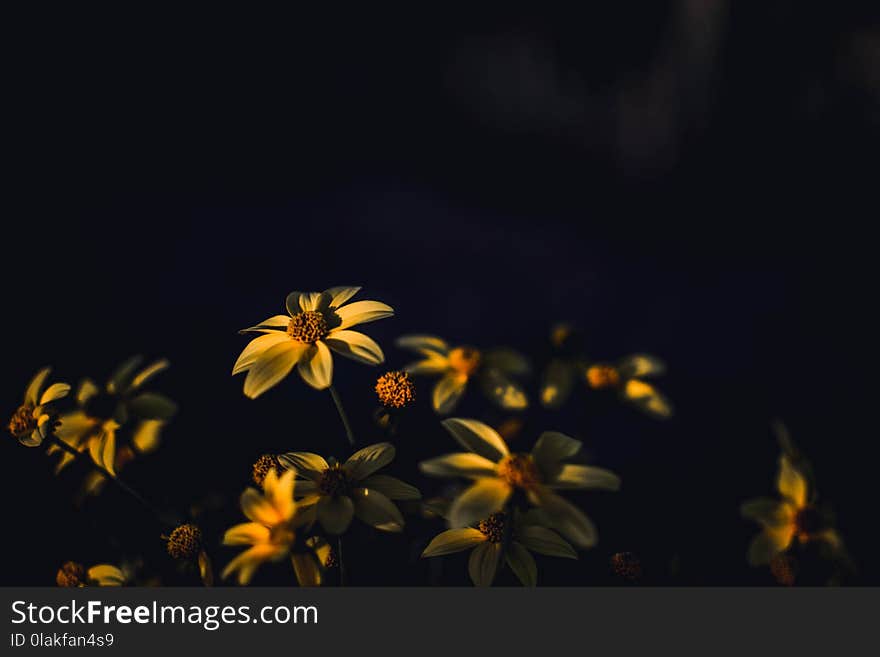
{"x": 246, "y": 533}
{"x": 259, "y": 509}
{"x": 306, "y": 464}
{"x": 447, "y": 392}
{"x": 647, "y": 398}
{"x": 339, "y": 295}
{"x": 522, "y": 564}
{"x": 566, "y": 518}
{"x": 106, "y": 575}
{"x": 335, "y": 514}
{"x": 276, "y": 323}
{"x": 483, "y": 563}
{"x": 255, "y": 348}
{"x": 426, "y": 344}
{"x": 149, "y": 372}
{"x": 392, "y": 488}
{"x": 454, "y": 540}
{"x": 306, "y": 568}
{"x": 573, "y": 476}
{"x": 791, "y": 483}
{"x": 368, "y": 460}
{"x": 32, "y": 393}
{"x": 768, "y": 544}
{"x": 376, "y": 510}
{"x": 54, "y": 392}
{"x": 356, "y": 346}
{"x": 557, "y": 383}
{"x": 460, "y": 464}
{"x": 553, "y": 447}
{"x": 271, "y": 366}
{"x": 477, "y": 437}
{"x": 503, "y": 390}
{"x": 316, "y": 366}
{"x": 361, "y": 312}
{"x": 545, "y": 541}
{"x": 482, "y": 499}
{"x": 433, "y": 364}
{"x": 640, "y": 365}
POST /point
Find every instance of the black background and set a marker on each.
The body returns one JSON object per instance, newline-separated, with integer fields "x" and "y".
{"x": 696, "y": 188}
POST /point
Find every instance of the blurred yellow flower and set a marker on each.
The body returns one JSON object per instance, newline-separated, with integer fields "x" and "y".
{"x": 626, "y": 377}
{"x": 497, "y": 474}
{"x": 456, "y": 366}
{"x": 102, "y": 412}
{"x": 492, "y": 537}
{"x": 793, "y": 518}
{"x": 315, "y": 323}
{"x": 75, "y": 575}
{"x": 561, "y": 372}
{"x": 341, "y": 491}
{"x": 34, "y": 420}
{"x": 271, "y": 534}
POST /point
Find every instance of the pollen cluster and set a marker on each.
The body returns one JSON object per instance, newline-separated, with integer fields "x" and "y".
{"x": 334, "y": 481}
{"x": 602, "y": 376}
{"x": 395, "y": 389}
{"x": 22, "y": 421}
{"x": 71, "y": 575}
{"x": 626, "y": 565}
{"x": 185, "y": 542}
{"x": 783, "y": 570}
{"x": 493, "y": 527}
{"x": 262, "y": 466}
{"x": 519, "y": 470}
{"x": 309, "y": 326}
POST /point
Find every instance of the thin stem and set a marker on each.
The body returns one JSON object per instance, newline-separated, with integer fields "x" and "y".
{"x": 340, "y": 564}
{"x": 342, "y": 416}
{"x": 104, "y": 471}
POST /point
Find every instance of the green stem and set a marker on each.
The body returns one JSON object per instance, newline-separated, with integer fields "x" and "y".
{"x": 342, "y": 416}
{"x": 340, "y": 564}
{"x": 104, "y": 471}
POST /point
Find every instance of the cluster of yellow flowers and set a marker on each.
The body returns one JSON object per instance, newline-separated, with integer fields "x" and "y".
{"x": 513, "y": 503}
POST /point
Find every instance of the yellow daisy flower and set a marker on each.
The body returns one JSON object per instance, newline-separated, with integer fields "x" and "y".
{"x": 102, "y": 411}
{"x": 315, "y": 323}
{"x": 271, "y": 534}
{"x": 33, "y": 421}
{"x": 561, "y": 372}
{"x": 457, "y": 366}
{"x": 497, "y": 474}
{"x": 626, "y": 377}
{"x": 75, "y": 575}
{"x": 487, "y": 542}
{"x": 794, "y": 518}
{"x": 341, "y": 491}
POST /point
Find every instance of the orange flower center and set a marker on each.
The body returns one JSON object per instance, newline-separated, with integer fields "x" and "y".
{"x": 282, "y": 534}
{"x": 185, "y": 542}
{"x": 71, "y": 575}
{"x": 493, "y": 527}
{"x": 519, "y": 470}
{"x": 309, "y": 326}
{"x": 395, "y": 389}
{"x": 465, "y": 360}
{"x": 808, "y": 522}
{"x": 23, "y": 421}
{"x": 262, "y": 466}
{"x": 602, "y": 376}
{"x": 334, "y": 481}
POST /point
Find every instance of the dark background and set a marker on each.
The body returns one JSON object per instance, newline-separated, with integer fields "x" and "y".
{"x": 691, "y": 179}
